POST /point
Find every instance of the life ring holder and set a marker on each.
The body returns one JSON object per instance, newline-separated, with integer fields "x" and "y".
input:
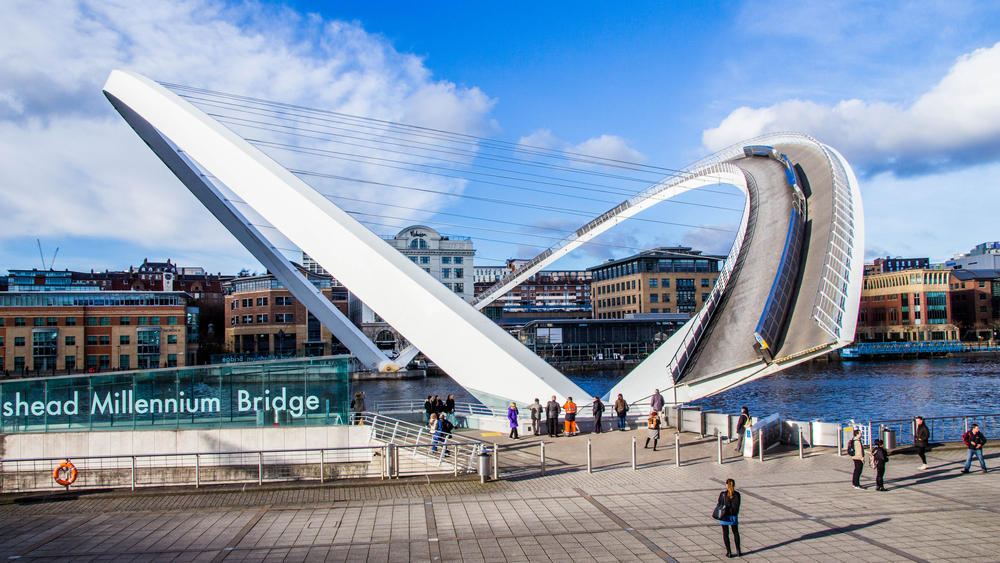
{"x": 57, "y": 473}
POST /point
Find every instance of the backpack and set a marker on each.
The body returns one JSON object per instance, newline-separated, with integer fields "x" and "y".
{"x": 447, "y": 426}
{"x": 850, "y": 448}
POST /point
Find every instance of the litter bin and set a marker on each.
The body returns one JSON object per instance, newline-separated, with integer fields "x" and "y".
{"x": 889, "y": 438}
{"x": 484, "y": 466}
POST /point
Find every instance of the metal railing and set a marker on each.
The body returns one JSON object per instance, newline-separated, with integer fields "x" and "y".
{"x": 942, "y": 428}
{"x": 461, "y": 409}
{"x": 436, "y": 451}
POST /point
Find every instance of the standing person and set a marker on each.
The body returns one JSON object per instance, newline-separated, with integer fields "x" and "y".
{"x": 552, "y": 417}
{"x": 598, "y": 412}
{"x": 856, "y": 449}
{"x": 656, "y": 403}
{"x": 438, "y": 405}
{"x": 730, "y": 499}
{"x": 449, "y": 407}
{"x": 570, "y": 408}
{"x": 879, "y": 458}
{"x": 621, "y": 409}
{"x": 435, "y": 429}
{"x": 653, "y": 422}
{"x": 537, "y": 410}
{"x": 428, "y": 408}
{"x": 921, "y": 435}
{"x": 358, "y": 405}
{"x": 974, "y": 441}
{"x": 741, "y": 428}
{"x": 512, "y": 419}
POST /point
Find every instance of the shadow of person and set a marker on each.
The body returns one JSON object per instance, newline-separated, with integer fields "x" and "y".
{"x": 822, "y": 534}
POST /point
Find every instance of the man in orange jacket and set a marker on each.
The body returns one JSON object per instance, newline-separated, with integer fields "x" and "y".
{"x": 570, "y": 408}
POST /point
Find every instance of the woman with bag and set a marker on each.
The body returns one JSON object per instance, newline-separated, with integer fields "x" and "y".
{"x": 654, "y": 430}
{"x": 621, "y": 409}
{"x": 727, "y": 512}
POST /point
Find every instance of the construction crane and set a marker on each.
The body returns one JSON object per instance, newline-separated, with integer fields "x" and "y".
{"x": 42, "y": 256}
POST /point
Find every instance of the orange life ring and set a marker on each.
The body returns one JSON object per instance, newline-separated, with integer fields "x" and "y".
{"x": 72, "y": 473}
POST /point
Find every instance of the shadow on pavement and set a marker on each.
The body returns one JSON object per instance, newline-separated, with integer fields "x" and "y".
{"x": 822, "y": 534}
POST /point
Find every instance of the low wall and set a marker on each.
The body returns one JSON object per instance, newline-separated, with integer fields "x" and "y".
{"x": 139, "y": 442}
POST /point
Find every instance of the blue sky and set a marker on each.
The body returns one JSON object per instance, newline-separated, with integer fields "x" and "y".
{"x": 909, "y": 93}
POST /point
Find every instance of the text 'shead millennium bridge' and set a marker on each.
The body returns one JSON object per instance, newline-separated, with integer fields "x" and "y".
{"x": 789, "y": 290}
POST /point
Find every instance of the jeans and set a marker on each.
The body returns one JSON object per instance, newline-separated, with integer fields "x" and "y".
{"x": 621, "y": 422}
{"x": 437, "y": 440}
{"x": 968, "y": 458}
{"x": 859, "y": 465}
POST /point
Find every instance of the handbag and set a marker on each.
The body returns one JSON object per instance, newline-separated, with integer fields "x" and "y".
{"x": 721, "y": 512}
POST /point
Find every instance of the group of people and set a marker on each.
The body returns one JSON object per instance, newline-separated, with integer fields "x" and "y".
{"x": 434, "y": 405}
{"x": 549, "y": 413}
{"x": 878, "y": 456}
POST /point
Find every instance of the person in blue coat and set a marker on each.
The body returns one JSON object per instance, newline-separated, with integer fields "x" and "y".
{"x": 512, "y": 418}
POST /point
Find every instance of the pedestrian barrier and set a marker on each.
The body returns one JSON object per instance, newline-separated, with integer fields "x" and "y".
{"x": 428, "y": 451}
{"x": 942, "y": 428}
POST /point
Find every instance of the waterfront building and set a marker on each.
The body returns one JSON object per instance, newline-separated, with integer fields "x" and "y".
{"x": 448, "y": 258}
{"x": 266, "y": 320}
{"x": 96, "y": 330}
{"x": 632, "y": 338}
{"x": 975, "y": 303}
{"x": 985, "y": 256}
{"x": 547, "y": 293}
{"x": 913, "y": 305}
{"x": 663, "y": 280}
{"x": 488, "y": 274}
{"x": 897, "y": 264}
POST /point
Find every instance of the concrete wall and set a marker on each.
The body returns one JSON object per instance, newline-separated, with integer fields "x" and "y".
{"x": 77, "y": 444}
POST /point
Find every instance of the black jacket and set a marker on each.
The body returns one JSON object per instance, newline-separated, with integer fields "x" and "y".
{"x": 732, "y": 503}
{"x": 449, "y": 405}
{"x": 880, "y": 456}
{"x": 972, "y": 440}
{"x": 922, "y": 436}
{"x": 429, "y": 406}
{"x": 598, "y": 408}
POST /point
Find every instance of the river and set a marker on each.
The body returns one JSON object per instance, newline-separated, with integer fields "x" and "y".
{"x": 826, "y": 391}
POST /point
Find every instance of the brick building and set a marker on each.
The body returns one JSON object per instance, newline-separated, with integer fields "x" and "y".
{"x": 912, "y": 305}
{"x": 264, "y": 317}
{"x": 663, "y": 280}
{"x": 975, "y": 303}
{"x": 96, "y": 330}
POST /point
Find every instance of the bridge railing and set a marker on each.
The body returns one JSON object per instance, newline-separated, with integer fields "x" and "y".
{"x": 942, "y": 428}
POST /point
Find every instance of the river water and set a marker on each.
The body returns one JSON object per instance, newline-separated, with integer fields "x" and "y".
{"x": 826, "y": 391}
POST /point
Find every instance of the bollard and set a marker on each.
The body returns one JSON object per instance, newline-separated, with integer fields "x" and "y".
{"x": 590, "y": 465}
{"x": 633, "y": 453}
{"x": 677, "y": 449}
{"x": 542, "y": 455}
{"x": 760, "y": 443}
{"x": 197, "y": 470}
{"x": 840, "y": 440}
{"x": 496, "y": 462}
{"x": 260, "y": 468}
{"x": 800, "y": 440}
{"x": 133, "y": 474}
{"x": 720, "y": 449}
{"x": 454, "y": 458}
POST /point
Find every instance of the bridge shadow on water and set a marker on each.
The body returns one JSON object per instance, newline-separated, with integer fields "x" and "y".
{"x": 822, "y": 534}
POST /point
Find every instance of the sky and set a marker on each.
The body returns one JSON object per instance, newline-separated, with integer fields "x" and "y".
{"x": 909, "y": 93}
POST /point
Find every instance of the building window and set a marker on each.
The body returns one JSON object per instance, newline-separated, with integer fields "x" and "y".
{"x": 425, "y": 259}
{"x": 704, "y": 297}
{"x": 19, "y": 363}
{"x": 105, "y": 361}
{"x": 652, "y": 283}
{"x": 262, "y": 301}
{"x": 446, "y": 259}
{"x": 105, "y": 340}
{"x": 173, "y": 320}
{"x": 171, "y": 360}
{"x": 123, "y": 361}
{"x": 142, "y": 321}
{"x": 91, "y": 361}
{"x": 18, "y": 321}
{"x": 70, "y": 362}
{"x": 154, "y": 321}
{"x": 71, "y": 341}
{"x": 982, "y": 309}
{"x": 459, "y": 288}
{"x": 261, "y": 319}
{"x": 704, "y": 282}
{"x": 458, "y": 260}
{"x": 39, "y": 321}
{"x": 234, "y": 320}
{"x": 284, "y": 318}
{"x": 654, "y": 310}
{"x": 665, "y": 282}
{"x": 92, "y": 340}
{"x": 18, "y": 341}
{"x": 666, "y": 298}
{"x": 428, "y": 270}
{"x": 413, "y": 259}
{"x": 171, "y": 339}
{"x": 654, "y": 298}
{"x": 247, "y": 319}
{"x": 123, "y": 340}
{"x": 248, "y": 302}
{"x": 51, "y": 321}
{"x": 284, "y": 301}
{"x": 447, "y": 284}
{"x": 459, "y": 273}
{"x": 105, "y": 321}
{"x": 124, "y": 321}
{"x": 1, "y": 321}
{"x": 446, "y": 273}
{"x": 91, "y": 321}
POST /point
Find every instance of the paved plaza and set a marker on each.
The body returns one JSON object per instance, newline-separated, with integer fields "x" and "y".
{"x": 792, "y": 510}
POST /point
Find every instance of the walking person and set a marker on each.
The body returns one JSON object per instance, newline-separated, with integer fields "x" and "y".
{"x": 856, "y": 449}
{"x": 512, "y": 418}
{"x": 879, "y": 459}
{"x": 449, "y": 408}
{"x": 741, "y": 428}
{"x": 729, "y": 500}
{"x": 435, "y": 429}
{"x": 621, "y": 409}
{"x": 552, "y": 417}
{"x": 921, "y": 435}
{"x": 974, "y": 442}
{"x": 598, "y": 412}
{"x": 653, "y": 423}
{"x": 570, "y": 419}
{"x": 537, "y": 410}
{"x": 358, "y": 406}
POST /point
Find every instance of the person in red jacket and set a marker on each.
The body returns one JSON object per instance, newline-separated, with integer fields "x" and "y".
{"x": 974, "y": 441}
{"x": 570, "y": 409}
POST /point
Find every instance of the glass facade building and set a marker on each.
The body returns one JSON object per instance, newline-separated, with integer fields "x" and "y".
{"x": 299, "y": 392}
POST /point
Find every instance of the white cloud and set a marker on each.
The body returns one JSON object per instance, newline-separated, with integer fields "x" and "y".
{"x": 715, "y": 239}
{"x": 953, "y": 125}
{"x": 606, "y": 146}
{"x": 73, "y": 168}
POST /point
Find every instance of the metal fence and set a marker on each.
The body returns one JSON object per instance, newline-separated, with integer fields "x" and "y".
{"x": 429, "y": 452}
{"x": 942, "y": 428}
